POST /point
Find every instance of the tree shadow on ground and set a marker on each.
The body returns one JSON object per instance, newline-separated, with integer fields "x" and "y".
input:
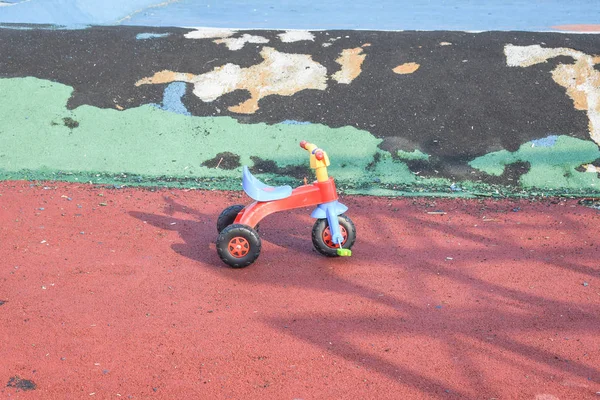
{"x": 402, "y": 238}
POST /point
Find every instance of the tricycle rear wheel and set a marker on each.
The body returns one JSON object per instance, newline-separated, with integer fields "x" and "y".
{"x": 228, "y": 216}
{"x": 238, "y": 245}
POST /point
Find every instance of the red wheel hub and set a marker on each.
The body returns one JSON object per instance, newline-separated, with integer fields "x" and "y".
{"x": 238, "y": 247}
{"x": 328, "y": 239}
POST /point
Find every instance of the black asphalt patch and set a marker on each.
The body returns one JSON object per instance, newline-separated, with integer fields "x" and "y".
{"x": 21, "y": 384}
{"x": 226, "y": 160}
{"x": 270, "y": 166}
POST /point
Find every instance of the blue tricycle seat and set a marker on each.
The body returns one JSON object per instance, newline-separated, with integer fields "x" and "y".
{"x": 261, "y": 192}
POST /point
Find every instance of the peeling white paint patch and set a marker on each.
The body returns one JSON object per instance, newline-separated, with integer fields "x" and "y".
{"x": 580, "y": 78}
{"x": 210, "y": 33}
{"x": 591, "y": 168}
{"x": 279, "y": 74}
{"x": 351, "y": 61}
{"x": 296, "y": 36}
{"x": 526, "y": 56}
{"x": 239, "y": 43}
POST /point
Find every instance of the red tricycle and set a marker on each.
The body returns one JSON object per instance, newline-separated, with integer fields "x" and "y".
{"x": 333, "y": 234}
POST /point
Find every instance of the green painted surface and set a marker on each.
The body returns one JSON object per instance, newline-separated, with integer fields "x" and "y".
{"x": 551, "y": 167}
{"x": 42, "y": 139}
{"x": 414, "y": 155}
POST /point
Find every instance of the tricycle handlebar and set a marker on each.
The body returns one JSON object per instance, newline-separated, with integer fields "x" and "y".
{"x": 307, "y": 146}
{"x": 319, "y": 161}
{"x": 313, "y": 149}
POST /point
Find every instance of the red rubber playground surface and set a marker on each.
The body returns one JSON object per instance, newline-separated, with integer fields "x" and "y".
{"x": 110, "y": 293}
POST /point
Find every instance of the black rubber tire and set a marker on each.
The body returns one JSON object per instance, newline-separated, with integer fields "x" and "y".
{"x": 247, "y": 234}
{"x": 321, "y": 225}
{"x": 228, "y": 216}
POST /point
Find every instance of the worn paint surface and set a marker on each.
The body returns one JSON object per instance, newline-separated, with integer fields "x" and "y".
{"x": 552, "y": 164}
{"x": 149, "y": 35}
{"x": 351, "y": 61}
{"x": 209, "y": 33}
{"x": 578, "y": 28}
{"x": 239, "y": 43}
{"x": 164, "y": 115}
{"x": 580, "y": 78}
{"x": 279, "y": 73}
{"x": 406, "y": 68}
{"x": 296, "y": 36}
{"x": 162, "y": 146}
{"x": 172, "y": 99}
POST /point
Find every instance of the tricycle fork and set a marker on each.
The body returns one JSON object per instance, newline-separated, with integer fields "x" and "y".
{"x": 331, "y": 210}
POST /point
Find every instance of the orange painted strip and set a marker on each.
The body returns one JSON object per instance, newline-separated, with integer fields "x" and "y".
{"x": 578, "y": 28}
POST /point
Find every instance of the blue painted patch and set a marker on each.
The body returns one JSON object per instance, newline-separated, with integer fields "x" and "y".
{"x": 172, "y": 99}
{"x": 292, "y": 122}
{"x": 461, "y": 15}
{"x": 545, "y": 142}
{"x": 72, "y": 12}
{"x": 144, "y": 36}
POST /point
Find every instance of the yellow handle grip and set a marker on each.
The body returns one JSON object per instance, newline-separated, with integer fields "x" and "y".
{"x": 313, "y": 149}
{"x": 319, "y": 160}
{"x": 308, "y": 146}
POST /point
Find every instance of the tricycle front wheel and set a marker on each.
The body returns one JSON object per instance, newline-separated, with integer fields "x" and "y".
{"x": 322, "y": 240}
